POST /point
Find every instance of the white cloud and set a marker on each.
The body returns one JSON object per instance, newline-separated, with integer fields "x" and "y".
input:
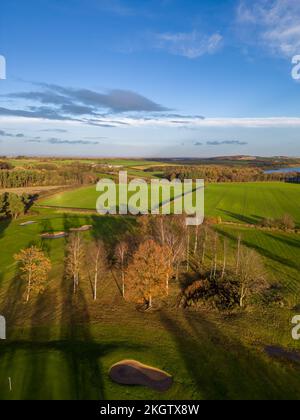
{"x": 276, "y": 24}
{"x": 191, "y": 45}
{"x": 165, "y": 121}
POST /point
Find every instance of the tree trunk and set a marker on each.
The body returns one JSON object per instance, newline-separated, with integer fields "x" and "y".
{"x": 28, "y": 288}
{"x": 95, "y": 285}
{"x": 238, "y": 254}
{"x": 196, "y": 239}
{"x": 224, "y": 259}
{"x": 215, "y": 257}
{"x": 123, "y": 284}
{"x": 204, "y": 247}
{"x": 162, "y": 231}
{"x": 96, "y": 274}
{"x": 188, "y": 250}
{"x": 242, "y": 296}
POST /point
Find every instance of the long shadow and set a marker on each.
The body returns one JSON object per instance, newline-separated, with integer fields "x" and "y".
{"x": 295, "y": 243}
{"x": 240, "y": 217}
{"x": 111, "y": 228}
{"x": 264, "y": 252}
{"x": 84, "y": 366}
{"x": 4, "y": 224}
{"x": 222, "y": 368}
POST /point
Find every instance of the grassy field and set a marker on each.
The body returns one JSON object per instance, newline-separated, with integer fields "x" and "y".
{"x": 251, "y": 202}
{"x": 61, "y": 347}
{"x": 128, "y": 163}
{"x": 209, "y": 358}
{"x": 243, "y": 203}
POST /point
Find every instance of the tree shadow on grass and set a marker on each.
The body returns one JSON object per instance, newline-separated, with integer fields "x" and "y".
{"x": 250, "y": 220}
{"x": 111, "y": 228}
{"x": 262, "y": 251}
{"x": 50, "y": 362}
{"x": 4, "y": 224}
{"x": 222, "y": 368}
{"x": 286, "y": 240}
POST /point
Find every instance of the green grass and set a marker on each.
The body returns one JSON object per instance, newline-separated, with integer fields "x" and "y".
{"x": 281, "y": 253}
{"x": 240, "y": 202}
{"x": 208, "y": 358}
{"x": 251, "y": 202}
{"x": 61, "y": 347}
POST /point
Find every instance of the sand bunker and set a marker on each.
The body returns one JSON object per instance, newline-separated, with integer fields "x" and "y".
{"x": 131, "y": 372}
{"x": 30, "y": 222}
{"x": 82, "y": 228}
{"x": 56, "y": 235}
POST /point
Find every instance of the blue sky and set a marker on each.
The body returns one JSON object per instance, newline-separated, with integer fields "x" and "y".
{"x": 152, "y": 78}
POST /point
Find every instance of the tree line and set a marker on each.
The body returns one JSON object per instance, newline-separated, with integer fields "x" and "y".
{"x": 47, "y": 175}
{"x": 218, "y": 173}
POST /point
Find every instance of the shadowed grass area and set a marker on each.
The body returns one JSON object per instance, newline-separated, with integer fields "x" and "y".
{"x": 208, "y": 358}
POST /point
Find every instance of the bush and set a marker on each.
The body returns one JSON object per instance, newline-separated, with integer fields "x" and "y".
{"x": 286, "y": 223}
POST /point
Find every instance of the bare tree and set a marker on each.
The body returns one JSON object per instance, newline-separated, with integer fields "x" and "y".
{"x": 224, "y": 257}
{"x": 97, "y": 259}
{"x": 251, "y": 274}
{"x": 196, "y": 239}
{"x": 204, "y": 245}
{"x": 122, "y": 254}
{"x": 75, "y": 259}
{"x": 238, "y": 257}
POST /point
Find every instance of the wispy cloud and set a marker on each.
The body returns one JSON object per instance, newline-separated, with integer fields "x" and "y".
{"x": 191, "y": 45}
{"x": 274, "y": 23}
{"x": 6, "y": 134}
{"x": 56, "y": 141}
{"x": 227, "y": 143}
{"x": 54, "y": 130}
{"x": 221, "y": 143}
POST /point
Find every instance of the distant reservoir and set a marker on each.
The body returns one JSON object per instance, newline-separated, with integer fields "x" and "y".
{"x": 283, "y": 170}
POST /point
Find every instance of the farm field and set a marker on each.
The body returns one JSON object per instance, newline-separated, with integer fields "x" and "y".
{"x": 61, "y": 347}
{"x": 241, "y": 202}
{"x": 25, "y": 163}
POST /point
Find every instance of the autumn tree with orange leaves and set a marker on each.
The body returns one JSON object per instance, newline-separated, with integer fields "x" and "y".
{"x": 148, "y": 275}
{"x": 35, "y": 267}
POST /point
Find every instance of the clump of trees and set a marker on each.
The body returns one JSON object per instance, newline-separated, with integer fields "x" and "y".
{"x": 209, "y": 269}
{"x": 14, "y": 205}
{"x": 34, "y": 267}
{"x": 287, "y": 222}
{"x": 85, "y": 260}
{"x": 47, "y": 175}
{"x": 226, "y": 276}
{"x": 148, "y": 261}
{"x": 5, "y": 165}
